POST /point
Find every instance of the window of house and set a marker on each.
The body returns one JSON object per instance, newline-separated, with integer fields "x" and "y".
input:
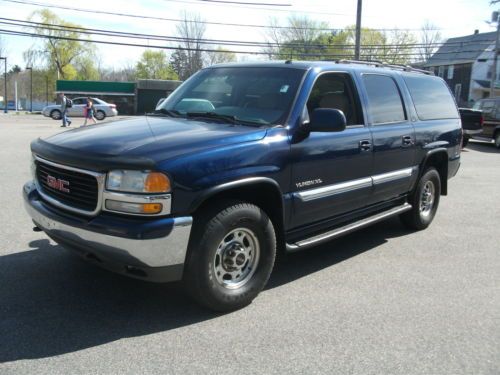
{"x": 384, "y": 99}
{"x": 441, "y": 71}
{"x": 431, "y": 96}
{"x": 450, "y": 72}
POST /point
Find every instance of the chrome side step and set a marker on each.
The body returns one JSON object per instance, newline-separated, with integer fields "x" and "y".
{"x": 337, "y": 232}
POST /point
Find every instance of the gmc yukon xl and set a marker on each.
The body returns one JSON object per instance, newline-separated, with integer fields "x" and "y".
{"x": 243, "y": 161}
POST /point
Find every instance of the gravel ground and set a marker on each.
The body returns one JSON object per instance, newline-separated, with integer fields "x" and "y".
{"x": 380, "y": 301}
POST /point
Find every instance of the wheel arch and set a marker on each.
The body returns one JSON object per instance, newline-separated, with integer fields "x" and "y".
{"x": 262, "y": 191}
{"x": 437, "y": 158}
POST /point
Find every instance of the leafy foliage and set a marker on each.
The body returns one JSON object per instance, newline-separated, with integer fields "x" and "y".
{"x": 71, "y": 59}
{"x": 155, "y": 65}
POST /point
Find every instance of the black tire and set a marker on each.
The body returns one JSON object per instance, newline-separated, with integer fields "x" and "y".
{"x": 497, "y": 139}
{"x": 419, "y": 218}
{"x": 465, "y": 141}
{"x": 55, "y": 114}
{"x": 211, "y": 241}
{"x": 100, "y": 115}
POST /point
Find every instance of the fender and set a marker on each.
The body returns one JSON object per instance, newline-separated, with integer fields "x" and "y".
{"x": 434, "y": 151}
{"x": 244, "y": 182}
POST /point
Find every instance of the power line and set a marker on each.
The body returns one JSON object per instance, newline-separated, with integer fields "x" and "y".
{"x": 247, "y": 3}
{"x": 114, "y": 33}
{"x": 260, "y": 8}
{"x": 286, "y": 55}
{"x": 129, "y": 15}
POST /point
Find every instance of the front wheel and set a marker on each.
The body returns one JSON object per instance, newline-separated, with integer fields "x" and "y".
{"x": 55, "y": 114}
{"x": 424, "y": 201}
{"x": 231, "y": 256}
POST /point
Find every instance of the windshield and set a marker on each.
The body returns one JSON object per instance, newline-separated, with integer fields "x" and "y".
{"x": 261, "y": 96}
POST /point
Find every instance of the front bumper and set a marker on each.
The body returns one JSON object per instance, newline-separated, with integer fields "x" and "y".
{"x": 149, "y": 249}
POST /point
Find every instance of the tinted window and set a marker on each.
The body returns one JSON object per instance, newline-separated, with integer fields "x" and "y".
{"x": 260, "y": 96}
{"x": 334, "y": 90}
{"x": 432, "y": 98}
{"x": 384, "y": 100}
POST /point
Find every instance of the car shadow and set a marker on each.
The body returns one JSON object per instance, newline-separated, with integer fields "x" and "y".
{"x": 52, "y": 303}
{"x": 483, "y": 147}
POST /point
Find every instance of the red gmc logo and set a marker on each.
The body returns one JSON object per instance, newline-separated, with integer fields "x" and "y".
{"x": 58, "y": 184}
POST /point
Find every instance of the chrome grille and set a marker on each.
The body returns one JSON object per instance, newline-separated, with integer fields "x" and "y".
{"x": 83, "y": 188}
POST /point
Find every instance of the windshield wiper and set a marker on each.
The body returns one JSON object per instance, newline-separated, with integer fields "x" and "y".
{"x": 230, "y": 119}
{"x": 168, "y": 112}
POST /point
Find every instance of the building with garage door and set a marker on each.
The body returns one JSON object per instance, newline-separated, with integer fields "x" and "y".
{"x": 129, "y": 97}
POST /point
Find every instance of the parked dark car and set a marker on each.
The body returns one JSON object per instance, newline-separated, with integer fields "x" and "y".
{"x": 243, "y": 161}
{"x": 472, "y": 123}
{"x": 491, "y": 125}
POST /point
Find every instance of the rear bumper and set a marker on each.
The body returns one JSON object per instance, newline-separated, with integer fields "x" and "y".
{"x": 473, "y": 132}
{"x": 153, "y": 250}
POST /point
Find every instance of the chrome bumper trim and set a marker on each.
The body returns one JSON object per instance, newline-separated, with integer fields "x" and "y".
{"x": 157, "y": 252}
{"x": 478, "y": 131}
{"x": 164, "y": 199}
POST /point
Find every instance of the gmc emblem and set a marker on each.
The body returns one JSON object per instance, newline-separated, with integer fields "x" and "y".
{"x": 58, "y": 184}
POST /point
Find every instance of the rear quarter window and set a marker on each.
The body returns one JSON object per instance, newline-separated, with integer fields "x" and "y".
{"x": 432, "y": 97}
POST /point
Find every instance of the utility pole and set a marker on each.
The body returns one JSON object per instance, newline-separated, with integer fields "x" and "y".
{"x": 30, "y": 68}
{"x": 494, "y": 18}
{"x": 357, "y": 45}
{"x": 5, "y": 83}
{"x": 46, "y": 90}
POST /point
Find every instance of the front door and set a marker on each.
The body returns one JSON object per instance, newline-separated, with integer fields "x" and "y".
{"x": 331, "y": 171}
{"x": 393, "y": 137}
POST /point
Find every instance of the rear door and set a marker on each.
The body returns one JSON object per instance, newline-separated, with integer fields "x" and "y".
{"x": 331, "y": 171}
{"x": 393, "y": 136}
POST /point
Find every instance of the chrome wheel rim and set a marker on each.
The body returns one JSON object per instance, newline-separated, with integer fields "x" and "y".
{"x": 99, "y": 115}
{"x": 56, "y": 115}
{"x": 236, "y": 258}
{"x": 427, "y": 198}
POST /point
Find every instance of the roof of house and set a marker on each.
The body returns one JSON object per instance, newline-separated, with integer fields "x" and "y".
{"x": 462, "y": 49}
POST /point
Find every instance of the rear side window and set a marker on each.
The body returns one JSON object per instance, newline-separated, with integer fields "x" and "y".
{"x": 384, "y": 99}
{"x": 432, "y": 98}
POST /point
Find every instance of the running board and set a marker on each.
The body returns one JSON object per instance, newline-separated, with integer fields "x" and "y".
{"x": 337, "y": 232}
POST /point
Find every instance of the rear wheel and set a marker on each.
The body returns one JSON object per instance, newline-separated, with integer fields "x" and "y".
{"x": 56, "y": 114}
{"x": 497, "y": 139}
{"x": 465, "y": 141}
{"x": 100, "y": 115}
{"x": 424, "y": 201}
{"x": 231, "y": 256}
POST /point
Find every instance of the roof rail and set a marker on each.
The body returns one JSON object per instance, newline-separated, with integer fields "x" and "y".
{"x": 382, "y": 64}
{"x": 363, "y": 62}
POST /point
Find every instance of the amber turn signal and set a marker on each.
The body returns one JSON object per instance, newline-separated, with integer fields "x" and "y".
{"x": 157, "y": 183}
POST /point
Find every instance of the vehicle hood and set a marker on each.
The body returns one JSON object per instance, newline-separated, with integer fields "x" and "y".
{"x": 150, "y": 139}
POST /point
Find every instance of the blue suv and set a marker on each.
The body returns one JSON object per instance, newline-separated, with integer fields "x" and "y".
{"x": 243, "y": 161}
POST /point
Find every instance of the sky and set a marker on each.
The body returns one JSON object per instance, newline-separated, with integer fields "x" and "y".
{"x": 453, "y": 17}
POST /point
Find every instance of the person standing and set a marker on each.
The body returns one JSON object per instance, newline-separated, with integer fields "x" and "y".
{"x": 65, "y": 104}
{"x": 89, "y": 112}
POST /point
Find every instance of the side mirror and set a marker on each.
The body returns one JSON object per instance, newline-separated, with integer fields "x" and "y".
{"x": 327, "y": 120}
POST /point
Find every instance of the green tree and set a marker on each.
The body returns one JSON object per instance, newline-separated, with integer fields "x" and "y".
{"x": 70, "y": 59}
{"x": 178, "y": 61}
{"x": 155, "y": 65}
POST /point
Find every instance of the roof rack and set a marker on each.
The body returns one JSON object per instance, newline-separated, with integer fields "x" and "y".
{"x": 382, "y": 64}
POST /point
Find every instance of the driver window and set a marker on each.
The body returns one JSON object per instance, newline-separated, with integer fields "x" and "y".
{"x": 335, "y": 90}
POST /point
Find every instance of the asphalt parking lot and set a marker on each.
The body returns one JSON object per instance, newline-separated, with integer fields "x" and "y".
{"x": 380, "y": 301}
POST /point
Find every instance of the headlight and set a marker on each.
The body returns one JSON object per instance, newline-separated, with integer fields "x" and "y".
{"x": 138, "y": 182}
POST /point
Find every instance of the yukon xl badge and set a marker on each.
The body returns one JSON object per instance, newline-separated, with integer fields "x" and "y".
{"x": 309, "y": 182}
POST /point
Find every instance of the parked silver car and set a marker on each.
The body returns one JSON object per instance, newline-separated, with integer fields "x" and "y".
{"x": 101, "y": 108}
